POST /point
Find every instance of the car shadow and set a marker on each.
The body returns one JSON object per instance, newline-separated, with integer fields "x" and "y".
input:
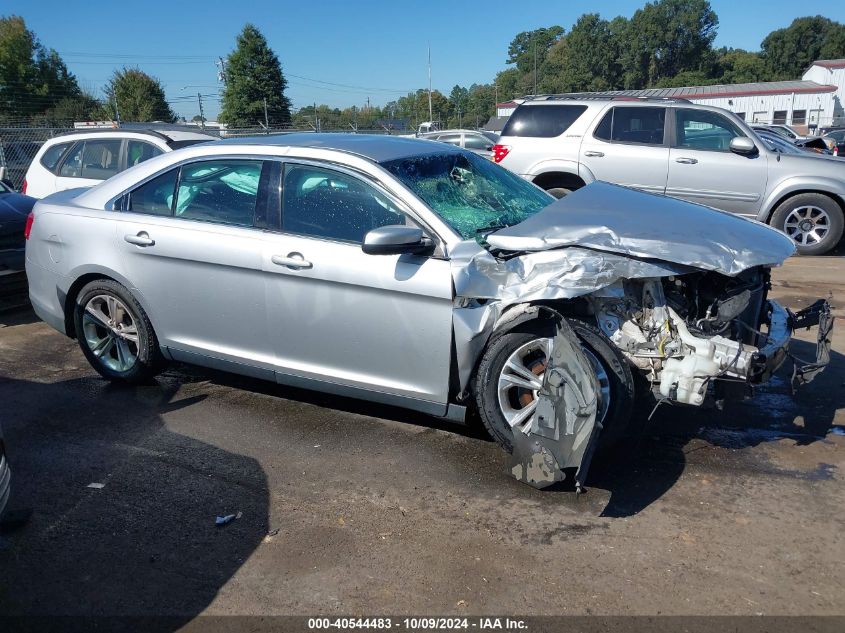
{"x": 651, "y": 467}
{"x": 124, "y": 509}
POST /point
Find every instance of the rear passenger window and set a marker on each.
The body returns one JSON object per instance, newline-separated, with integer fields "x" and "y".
{"x": 473, "y": 141}
{"x": 219, "y": 191}
{"x": 332, "y": 205}
{"x": 632, "y": 125}
{"x": 51, "y": 157}
{"x": 155, "y": 196}
{"x": 543, "y": 121}
{"x": 96, "y": 160}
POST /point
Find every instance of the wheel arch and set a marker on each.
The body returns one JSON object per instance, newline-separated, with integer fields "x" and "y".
{"x": 552, "y": 179}
{"x": 783, "y": 196}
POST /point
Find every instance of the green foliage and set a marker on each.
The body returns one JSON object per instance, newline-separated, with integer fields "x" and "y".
{"x": 137, "y": 97}
{"x": 528, "y": 45}
{"x": 33, "y": 79}
{"x": 737, "y": 66}
{"x": 253, "y": 75}
{"x": 789, "y": 51}
{"x": 665, "y": 38}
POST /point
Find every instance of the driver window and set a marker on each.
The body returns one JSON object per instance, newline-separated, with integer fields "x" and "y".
{"x": 700, "y": 129}
{"x": 333, "y": 205}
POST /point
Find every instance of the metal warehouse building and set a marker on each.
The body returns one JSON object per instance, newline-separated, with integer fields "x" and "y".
{"x": 816, "y": 100}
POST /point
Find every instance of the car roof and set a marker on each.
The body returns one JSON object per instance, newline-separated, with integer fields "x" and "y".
{"x": 379, "y": 148}
{"x": 164, "y": 134}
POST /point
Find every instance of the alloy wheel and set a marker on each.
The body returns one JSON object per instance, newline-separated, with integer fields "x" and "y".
{"x": 521, "y": 379}
{"x": 807, "y": 224}
{"x": 110, "y": 332}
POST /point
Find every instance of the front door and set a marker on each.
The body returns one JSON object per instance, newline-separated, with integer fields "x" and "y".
{"x": 703, "y": 169}
{"x": 191, "y": 251}
{"x": 354, "y": 321}
{"x": 628, "y": 148}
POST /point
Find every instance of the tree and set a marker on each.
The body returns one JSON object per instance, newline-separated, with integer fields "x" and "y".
{"x": 587, "y": 59}
{"x": 787, "y": 52}
{"x": 253, "y": 77}
{"x": 33, "y": 78}
{"x": 737, "y": 66}
{"x": 668, "y": 37}
{"x": 137, "y": 97}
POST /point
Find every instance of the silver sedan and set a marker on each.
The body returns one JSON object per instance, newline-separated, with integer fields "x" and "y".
{"x": 413, "y": 273}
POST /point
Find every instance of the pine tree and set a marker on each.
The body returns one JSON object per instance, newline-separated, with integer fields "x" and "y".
{"x": 138, "y": 97}
{"x": 253, "y": 74}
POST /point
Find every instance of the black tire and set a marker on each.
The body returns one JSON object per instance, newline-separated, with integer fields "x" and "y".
{"x": 559, "y": 192}
{"x": 622, "y": 391}
{"x": 829, "y": 205}
{"x": 148, "y": 361}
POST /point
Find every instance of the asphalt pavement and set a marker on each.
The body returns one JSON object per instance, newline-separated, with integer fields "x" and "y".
{"x": 346, "y": 507}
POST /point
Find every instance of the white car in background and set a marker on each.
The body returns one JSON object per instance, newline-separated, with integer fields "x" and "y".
{"x": 88, "y": 157}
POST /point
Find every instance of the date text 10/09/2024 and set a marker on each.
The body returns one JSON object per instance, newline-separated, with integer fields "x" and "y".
{"x": 419, "y": 624}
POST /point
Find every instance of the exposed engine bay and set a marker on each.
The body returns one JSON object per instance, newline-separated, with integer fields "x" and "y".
{"x": 685, "y": 332}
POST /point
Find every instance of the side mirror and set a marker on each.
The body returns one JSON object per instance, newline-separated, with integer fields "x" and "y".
{"x": 743, "y": 146}
{"x": 396, "y": 239}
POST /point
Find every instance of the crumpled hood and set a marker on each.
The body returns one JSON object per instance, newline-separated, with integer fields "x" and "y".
{"x": 615, "y": 219}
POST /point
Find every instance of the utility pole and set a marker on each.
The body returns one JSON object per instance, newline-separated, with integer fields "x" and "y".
{"x": 316, "y": 120}
{"x": 266, "y": 119}
{"x": 429, "y": 84}
{"x": 202, "y": 115}
{"x": 116, "y": 112}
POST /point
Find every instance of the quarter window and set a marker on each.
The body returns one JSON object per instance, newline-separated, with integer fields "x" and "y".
{"x": 632, "y": 125}
{"x": 51, "y": 157}
{"x": 332, "y": 205}
{"x": 543, "y": 121}
{"x": 701, "y": 129}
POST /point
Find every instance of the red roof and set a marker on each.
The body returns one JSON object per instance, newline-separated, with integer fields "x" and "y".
{"x": 507, "y": 104}
{"x": 829, "y": 63}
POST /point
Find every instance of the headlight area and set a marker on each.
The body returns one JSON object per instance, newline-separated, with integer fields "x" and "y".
{"x": 704, "y": 337}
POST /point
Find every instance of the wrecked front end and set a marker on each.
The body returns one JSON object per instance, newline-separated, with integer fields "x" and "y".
{"x": 679, "y": 289}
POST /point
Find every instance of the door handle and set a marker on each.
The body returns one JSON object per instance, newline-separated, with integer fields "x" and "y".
{"x": 686, "y": 161}
{"x": 293, "y": 260}
{"x": 141, "y": 239}
{"x": 593, "y": 154}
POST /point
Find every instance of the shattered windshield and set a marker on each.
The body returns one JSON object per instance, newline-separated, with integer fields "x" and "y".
{"x": 470, "y": 193}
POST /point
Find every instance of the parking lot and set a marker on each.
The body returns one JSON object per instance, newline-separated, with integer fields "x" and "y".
{"x": 348, "y": 507}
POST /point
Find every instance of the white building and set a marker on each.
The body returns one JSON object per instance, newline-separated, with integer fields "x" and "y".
{"x": 815, "y": 100}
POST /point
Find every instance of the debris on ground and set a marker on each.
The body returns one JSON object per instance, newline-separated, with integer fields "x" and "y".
{"x": 228, "y": 518}
{"x": 96, "y": 486}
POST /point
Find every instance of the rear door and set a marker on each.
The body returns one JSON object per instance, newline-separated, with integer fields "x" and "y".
{"x": 703, "y": 169}
{"x": 628, "y": 147}
{"x": 191, "y": 240}
{"x": 381, "y": 323}
{"x": 90, "y": 162}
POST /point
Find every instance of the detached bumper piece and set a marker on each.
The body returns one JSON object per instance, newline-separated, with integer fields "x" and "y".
{"x": 564, "y": 430}
{"x": 819, "y": 314}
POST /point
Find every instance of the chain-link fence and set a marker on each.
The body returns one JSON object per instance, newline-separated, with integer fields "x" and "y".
{"x": 19, "y": 145}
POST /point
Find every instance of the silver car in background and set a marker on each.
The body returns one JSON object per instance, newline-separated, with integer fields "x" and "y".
{"x": 418, "y": 274}
{"x": 698, "y": 153}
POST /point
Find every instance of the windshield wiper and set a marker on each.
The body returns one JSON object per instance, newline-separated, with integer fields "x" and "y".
{"x": 491, "y": 227}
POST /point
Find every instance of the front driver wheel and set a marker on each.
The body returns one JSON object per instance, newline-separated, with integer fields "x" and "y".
{"x": 511, "y": 372}
{"x": 813, "y": 221}
{"x": 115, "y": 334}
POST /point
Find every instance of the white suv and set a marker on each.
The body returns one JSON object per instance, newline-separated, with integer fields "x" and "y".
{"x": 88, "y": 157}
{"x": 700, "y": 153}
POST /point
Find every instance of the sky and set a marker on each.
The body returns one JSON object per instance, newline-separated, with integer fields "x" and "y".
{"x": 335, "y": 52}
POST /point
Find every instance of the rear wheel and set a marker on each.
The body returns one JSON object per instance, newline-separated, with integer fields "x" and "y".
{"x": 812, "y": 220}
{"x": 559, "y": 192}
{"x": 511, "y": 372}
{"x": 115, "y": 334}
